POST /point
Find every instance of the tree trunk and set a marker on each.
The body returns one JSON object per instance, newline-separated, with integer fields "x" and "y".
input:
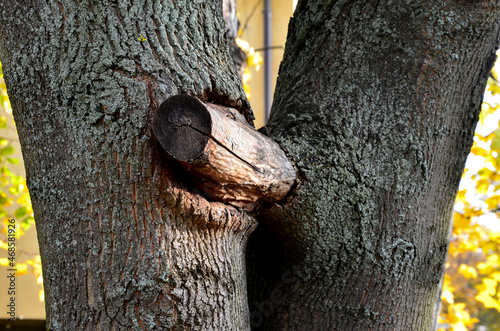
{"x": 376, "y": 102}
{"x": 125, "y": 242}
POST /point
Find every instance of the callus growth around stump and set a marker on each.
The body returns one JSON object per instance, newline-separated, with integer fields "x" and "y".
{"x": 228, "y": 160}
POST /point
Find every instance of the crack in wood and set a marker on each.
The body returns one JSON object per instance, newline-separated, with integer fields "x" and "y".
{"x": 222, "y": 145}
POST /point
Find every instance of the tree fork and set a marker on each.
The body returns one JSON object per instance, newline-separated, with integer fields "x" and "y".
{"x": 229, "y": 160}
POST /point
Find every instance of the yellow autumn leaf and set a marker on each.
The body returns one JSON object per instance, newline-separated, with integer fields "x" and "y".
{"x": 485, "y": 107}
{"x": 467, "y": 271}
{"x": 477, "y": 230}
{"x": 452, "y": 250}
{"x": 476, "y": 150}
{"x": 478, "y": 138}
{"x": 482, "y": 186}
{"x": 487, "y": 292}
{"x": 473, "y": 212}
{"x": 493, "y": 259}
{"x": 461, "y": 221}
{"x": 489, "y": 266}
{"x": 495, "y": 176}
{"x": 459, "y": 326}
{"x": 485, "y": 268}
{"x": 485, "y": 173}
{"x": 243, "y": 44}
{"x": 461, "y": 195}
{"x": 488, "y": 109}
{"x": 254, "y": 59}
{"x": 493, "y": 86}
{"x": 459, "y": 318}
{"x": 24, "y": 199}
{"x": 21, "y": 269}
{"x": 494, "y": 235}
{"x": 466, "y": 246}
{"x": 41, "y": 295}
{"x": 492, "y": 159}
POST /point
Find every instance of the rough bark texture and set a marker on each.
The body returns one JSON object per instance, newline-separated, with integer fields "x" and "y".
{"x": 125, "y": 244}
{"x": 377, "y": 102}
{"x": 226, "y": 158}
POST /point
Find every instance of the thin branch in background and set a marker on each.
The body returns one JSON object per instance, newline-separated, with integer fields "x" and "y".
{"x": 250, "y": 16}
{"x": 270, "y": 47}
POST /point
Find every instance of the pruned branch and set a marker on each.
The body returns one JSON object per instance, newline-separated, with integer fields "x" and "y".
{"x": 230, "y": 161}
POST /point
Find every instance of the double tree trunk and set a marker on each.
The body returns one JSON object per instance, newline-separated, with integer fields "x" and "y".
{"x": 376, "y": 104}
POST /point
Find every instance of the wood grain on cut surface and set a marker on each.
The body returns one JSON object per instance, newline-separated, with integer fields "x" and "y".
{"x": 229, "y": 160}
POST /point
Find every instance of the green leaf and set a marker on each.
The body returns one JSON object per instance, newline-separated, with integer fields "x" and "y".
{"x": 16, "y": 180}
{"x": 20, "y": 212}
{"x": 7, "y": 150}
{"x": 14, "y": 190}
{"x": 4, "y": 199}
{"x": 27, "y": 222}
{"x": 3, "y": 122}
{"x": 12, "y": 160}
{"x": 495, "y": 142}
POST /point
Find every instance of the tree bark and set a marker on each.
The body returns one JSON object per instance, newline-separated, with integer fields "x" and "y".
{"x": 376, "y": 103}
{"x": 126, "y": 242}
{"x": 384, "y": 96}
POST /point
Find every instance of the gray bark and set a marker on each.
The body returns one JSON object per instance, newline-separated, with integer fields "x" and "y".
{"x": 376, "y": 102}
{"x": 125, "y": 243}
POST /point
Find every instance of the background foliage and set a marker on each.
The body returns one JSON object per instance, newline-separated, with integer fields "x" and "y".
{"x": 14, "y": 196}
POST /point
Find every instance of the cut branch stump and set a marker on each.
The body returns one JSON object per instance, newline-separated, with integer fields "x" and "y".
{"x": 228, "y": 159}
